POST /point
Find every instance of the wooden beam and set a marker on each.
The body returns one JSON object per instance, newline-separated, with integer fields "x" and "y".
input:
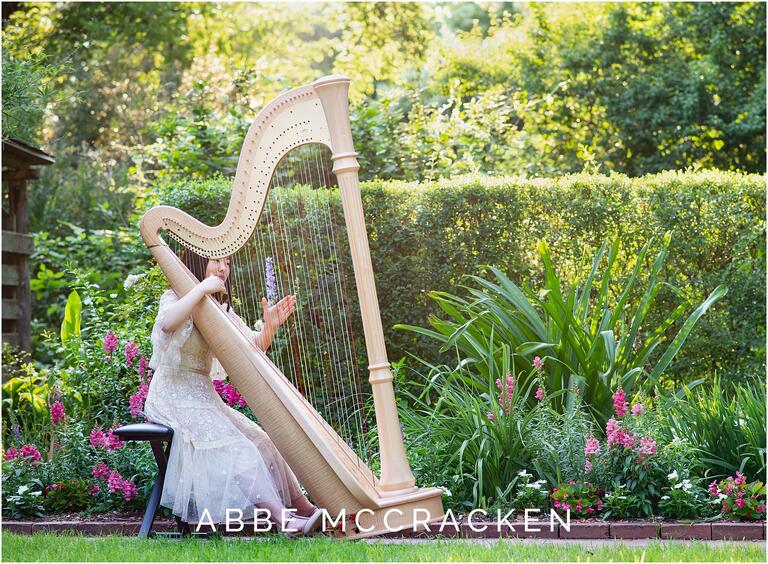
{"x": 10, "y": 275}
{"x": 10, "y": 309}
{"x": 18, "y": 243}
{"x": 21, "y": 174}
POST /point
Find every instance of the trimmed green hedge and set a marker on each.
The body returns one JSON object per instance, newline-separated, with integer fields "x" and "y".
{"x": 425, "y": 237}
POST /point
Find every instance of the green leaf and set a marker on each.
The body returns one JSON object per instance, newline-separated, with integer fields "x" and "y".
{"x": 70, "y": 327}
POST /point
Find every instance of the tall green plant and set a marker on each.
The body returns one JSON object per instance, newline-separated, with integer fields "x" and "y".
{"x": 591, "y": 335}
{"x": 728, "y": 428}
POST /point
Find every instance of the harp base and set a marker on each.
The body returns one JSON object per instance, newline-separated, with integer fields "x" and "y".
{"x": 405, "y": 513}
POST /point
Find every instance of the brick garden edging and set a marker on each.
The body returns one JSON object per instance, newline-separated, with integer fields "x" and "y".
{"x": 580, "y": 529}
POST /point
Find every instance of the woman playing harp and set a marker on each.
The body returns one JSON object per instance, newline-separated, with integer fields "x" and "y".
{"x": 219, "y": 460}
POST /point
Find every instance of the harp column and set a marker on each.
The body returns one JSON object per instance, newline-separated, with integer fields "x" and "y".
{"x": 396, "y": 476}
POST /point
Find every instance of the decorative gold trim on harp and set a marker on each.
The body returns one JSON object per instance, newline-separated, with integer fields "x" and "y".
{"x": 329, "y": 469}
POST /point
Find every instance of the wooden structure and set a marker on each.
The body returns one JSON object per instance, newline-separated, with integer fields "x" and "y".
{"x": 20, "y": 162}
{"x": 331, "y": 471}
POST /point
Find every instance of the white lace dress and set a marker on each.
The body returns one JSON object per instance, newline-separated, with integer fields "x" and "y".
{"x": 219, "y": 458}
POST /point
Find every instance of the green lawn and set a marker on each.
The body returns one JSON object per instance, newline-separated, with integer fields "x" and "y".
{"x": 67, "y": 548}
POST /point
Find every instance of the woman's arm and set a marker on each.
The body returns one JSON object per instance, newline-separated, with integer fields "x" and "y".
{"x": 182, "y": 309}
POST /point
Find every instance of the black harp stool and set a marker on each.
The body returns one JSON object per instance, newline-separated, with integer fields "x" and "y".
{"x": 156, "y": 434}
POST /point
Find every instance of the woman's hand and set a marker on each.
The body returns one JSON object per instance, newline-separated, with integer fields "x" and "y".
{"x": 213, "y": 285}
{"x": 274, "y": 316}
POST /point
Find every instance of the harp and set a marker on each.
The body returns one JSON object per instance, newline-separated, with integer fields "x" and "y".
{"x": 314, "y": 117}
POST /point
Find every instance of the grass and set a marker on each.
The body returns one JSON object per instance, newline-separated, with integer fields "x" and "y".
{"x": 71, "y": 548}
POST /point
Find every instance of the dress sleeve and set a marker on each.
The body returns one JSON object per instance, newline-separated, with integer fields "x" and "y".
{"x": 166, "y": 347}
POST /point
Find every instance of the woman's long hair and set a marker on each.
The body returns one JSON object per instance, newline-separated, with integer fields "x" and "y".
{"x": 197, "y": 265}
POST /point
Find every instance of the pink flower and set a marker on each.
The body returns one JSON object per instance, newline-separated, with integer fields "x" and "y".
{"x": 740, "y": 479}
{"x": 129, "y": 490}
{"x": 97, "y": 438}
{"x": 587, "y": 466}
{"x": 592, "y": 447}
{"x": 713, "y": 488}
{"x": 93, "y": 489}
{"x": 647, "y": 446}
{"x": 599, "y": 504}
{"x": 565, "y": 506}
{"x": 590, "y": 509}
{"x": 115, "y": 481}
{"x": 131, "y": 352}
{"x": 579, "y": 506}
{"x": 101, "y": 471}
{"x": 739, "y": 502}
{"x": 113, "y": 442}
{"x": 11, "y": 453}
{"x": 30, "y": 453}
{"x": 760, "y": 508}
{"x": 110, "y": 342}
{"x": 539, "y": 394}
{"x": 537, "y": 362}
{"x": 490, "y": 416}
{"x": 572, "y": 482}
{"x": 619, "y": 402}
{"x": 57, "y": 413}
{"x": 143, "y": 364}
{"x": 136, "y": 401}
{"x": 638, "y": 409}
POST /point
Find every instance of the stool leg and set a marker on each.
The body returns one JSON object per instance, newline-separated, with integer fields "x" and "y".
{"x": 150, "y": 512}
{"x": 157, "y": 489}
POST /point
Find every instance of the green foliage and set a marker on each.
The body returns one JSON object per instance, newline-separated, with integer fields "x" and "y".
{"x": 483, "y": 448}
{"x": 437, "y": 90}
{"x": 70, "y": 327}
{"x": 27, "y": 89}
{"x": 588, "y": 333}
{"x": 67, "y": 495}
{"x": 727, "y": 426}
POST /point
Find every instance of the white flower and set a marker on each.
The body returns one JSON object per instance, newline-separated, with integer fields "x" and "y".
{"x": 665, "y": 497}
{"x": 687, "y": 485}
{"x": 259, "y": 325}
{"x": 131, "y": 280}
{"x": 21, "y": 490}
{"x": 446, "y": 491}
{"x": 622, "y": 497}
{"x": 673, "y": 475}
{"x": 721, "y": 497}
{"x": 524, "y": 473}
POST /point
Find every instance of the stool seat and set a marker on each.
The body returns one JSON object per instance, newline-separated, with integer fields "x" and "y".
{"x": 144, "y": 432}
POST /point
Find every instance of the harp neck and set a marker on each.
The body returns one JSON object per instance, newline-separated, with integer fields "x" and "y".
{"x": 316, "y": 113}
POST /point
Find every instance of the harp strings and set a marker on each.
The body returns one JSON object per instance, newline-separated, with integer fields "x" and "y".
{"x": 300, "y": 235}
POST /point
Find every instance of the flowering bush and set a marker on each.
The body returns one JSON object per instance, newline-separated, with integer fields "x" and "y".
{"x": 739, "y": 499}
{"x": 631, "y": 465}
{"x": 530, "y": 495}
{"x": 582, "y": 499}
{"x": 683, "y": 498}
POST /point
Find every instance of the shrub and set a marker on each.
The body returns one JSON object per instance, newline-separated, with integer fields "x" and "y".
{"x": 425, "y": 236}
